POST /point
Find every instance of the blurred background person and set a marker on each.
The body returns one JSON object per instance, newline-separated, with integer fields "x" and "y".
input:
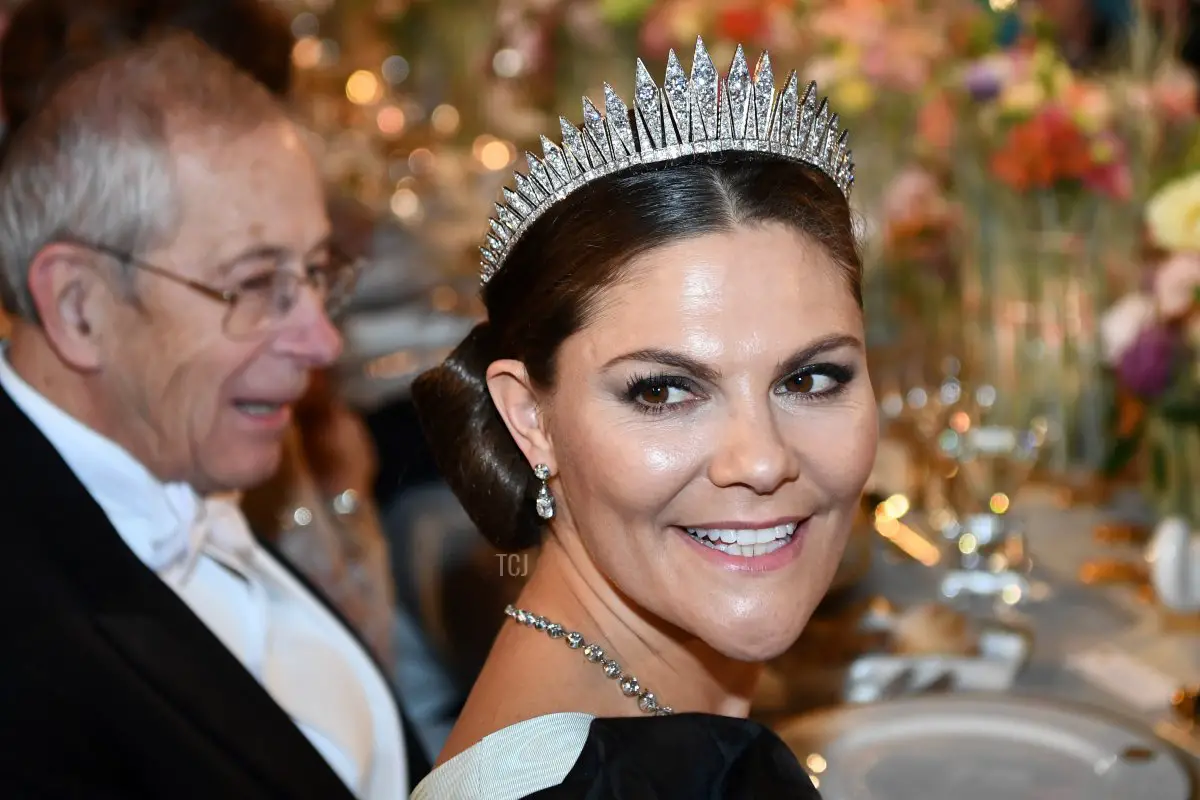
{"x": 357, "y": 504}
{"x": 166, "y": 256}
{"x": 319, "y": 507}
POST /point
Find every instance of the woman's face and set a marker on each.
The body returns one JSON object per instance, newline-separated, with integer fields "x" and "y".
{"x": 712, "y": 429}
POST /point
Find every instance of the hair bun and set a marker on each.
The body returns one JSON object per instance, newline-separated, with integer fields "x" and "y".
{"x": 472, "y": 446}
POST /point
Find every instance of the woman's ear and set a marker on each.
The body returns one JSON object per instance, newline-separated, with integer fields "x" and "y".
{"x": 517, "y": 402}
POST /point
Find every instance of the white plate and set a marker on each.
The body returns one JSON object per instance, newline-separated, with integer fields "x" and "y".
{"x": 1002, "y": 654}
{"x": 968, "y": 747}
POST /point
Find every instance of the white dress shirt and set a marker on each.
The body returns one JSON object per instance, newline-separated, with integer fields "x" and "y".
{"x": 280, "y": 632}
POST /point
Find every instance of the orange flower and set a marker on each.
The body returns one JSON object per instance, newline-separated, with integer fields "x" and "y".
{"x": 936, "y": 122}
{"x": 1044, "y": 151}
{"x": 746, "y": 23}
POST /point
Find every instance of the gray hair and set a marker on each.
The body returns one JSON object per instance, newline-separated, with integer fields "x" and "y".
{"x": 95, "y": 163}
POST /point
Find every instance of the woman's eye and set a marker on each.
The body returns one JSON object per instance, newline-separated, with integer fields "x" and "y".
{"x": 660, "y": 395}
{"x": 809, "y": 383}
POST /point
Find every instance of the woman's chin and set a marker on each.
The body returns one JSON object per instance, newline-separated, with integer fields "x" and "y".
{"x": 752, "y": 642}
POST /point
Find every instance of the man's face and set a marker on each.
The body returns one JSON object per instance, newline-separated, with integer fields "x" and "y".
{"x": 190, "y": 398}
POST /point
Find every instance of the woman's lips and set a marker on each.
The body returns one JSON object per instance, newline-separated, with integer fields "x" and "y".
{"x": 760, "y": 549}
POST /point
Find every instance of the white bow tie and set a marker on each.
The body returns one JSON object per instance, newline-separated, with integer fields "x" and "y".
{"x": 214, "y": 525}
{"x": 221, "y": 531}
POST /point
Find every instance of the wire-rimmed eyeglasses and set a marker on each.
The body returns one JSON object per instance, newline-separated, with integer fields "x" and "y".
{"x": 263, "y": 300}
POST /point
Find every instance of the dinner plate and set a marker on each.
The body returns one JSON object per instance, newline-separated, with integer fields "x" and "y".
{"x": 979, "y": 747}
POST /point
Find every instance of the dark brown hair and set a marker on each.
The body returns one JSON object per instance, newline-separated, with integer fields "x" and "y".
{"x": 48, "y": 41}
{"x": 550, "y": 287}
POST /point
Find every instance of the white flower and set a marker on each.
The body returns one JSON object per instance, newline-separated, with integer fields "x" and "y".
{"x": 1175, "y": 284}
{"x": 1121, "y": 324}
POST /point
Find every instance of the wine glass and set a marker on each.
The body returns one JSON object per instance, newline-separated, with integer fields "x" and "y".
{"x": 995, "y": 452}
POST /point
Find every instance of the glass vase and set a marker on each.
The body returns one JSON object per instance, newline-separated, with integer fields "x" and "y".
{"x": 1033, "y": 301}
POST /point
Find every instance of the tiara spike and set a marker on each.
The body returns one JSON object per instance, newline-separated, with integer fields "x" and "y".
{"x": 844, "y": 166}
{"x": 676, "y": 111}
{"x": 556, "y": 162}
{"x": 685, "y": 117}
{"x": 575, "y": 152}
{"x": 516, "y": 202}
{"x": 703, "y": 95}
{"x": 807, "y": 116}
{"x": 829, "y": 143}
{"x": 595, "y": 138}
{"x": 502, "y": 233}
{"x": 616, "y": 117}
{"x": 738, "y": 99}
{"x": 529, "y": 189}
{"x": 763, "y": 97}
{"x": 508, "y": 217}
{"x": 648, "y": 109}
{"x": 557, "y": 180}
{"x": 786, "y": 108}
{"x": 539, "y": 173}
{"x": 816, "y": 132}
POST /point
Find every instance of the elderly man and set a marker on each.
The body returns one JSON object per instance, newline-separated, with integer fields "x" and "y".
{"x": 164, "y": 251}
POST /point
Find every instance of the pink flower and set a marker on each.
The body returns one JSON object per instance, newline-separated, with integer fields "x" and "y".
{"x": 1175, "y": 284}
{"x": 858, "y": 24}
{"x": 1110, "y": 174}
{"x": 1174, "y": 92}
{"x": 914, "y": 192}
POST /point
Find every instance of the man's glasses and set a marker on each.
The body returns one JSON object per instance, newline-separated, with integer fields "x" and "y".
{"x": 265, "y": 300}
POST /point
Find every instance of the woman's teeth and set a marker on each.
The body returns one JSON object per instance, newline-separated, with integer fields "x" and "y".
{"x": 745, "y": 543}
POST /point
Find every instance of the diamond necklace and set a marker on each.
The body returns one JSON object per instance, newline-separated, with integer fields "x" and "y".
{"x": 629, "y": 685}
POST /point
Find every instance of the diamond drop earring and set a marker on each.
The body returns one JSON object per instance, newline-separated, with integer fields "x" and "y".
{"x": 545, "y": 501}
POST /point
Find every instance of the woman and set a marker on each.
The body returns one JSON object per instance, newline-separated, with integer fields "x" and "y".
{"x": 671, "y": 396}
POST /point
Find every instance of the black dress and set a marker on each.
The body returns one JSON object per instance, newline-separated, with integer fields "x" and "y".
{"x": 682, "y": 757}
{"x": 570, "y": 756}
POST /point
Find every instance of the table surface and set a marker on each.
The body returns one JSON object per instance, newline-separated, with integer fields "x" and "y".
{"x": 1153, "y": 654}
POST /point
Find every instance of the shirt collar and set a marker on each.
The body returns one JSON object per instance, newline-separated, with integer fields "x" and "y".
{"x": 153, "y": 518}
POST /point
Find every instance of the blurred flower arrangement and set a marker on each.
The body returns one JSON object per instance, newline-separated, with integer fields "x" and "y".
{"x": 1043, "y": 129}
{"x": 1152, "y": 341}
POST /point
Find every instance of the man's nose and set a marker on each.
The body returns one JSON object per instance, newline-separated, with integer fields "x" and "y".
{"x": 309, "y": 335}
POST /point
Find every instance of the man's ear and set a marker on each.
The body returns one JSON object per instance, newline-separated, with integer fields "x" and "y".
{"x": 72, "y": 301}
{"x": 516, "y": 400}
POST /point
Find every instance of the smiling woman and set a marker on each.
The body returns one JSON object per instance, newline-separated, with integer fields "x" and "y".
{"x": 671, "y": 398}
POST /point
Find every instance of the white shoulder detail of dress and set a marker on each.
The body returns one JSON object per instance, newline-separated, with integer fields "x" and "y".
{"x": 511, "y": 763}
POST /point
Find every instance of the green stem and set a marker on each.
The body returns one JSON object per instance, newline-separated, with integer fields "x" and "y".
{"x": 1178, "y": 447}
{"x": 1190, "y": 479}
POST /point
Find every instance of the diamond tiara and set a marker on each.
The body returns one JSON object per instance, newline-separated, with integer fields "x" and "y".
{"x": 743, "y": 113}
